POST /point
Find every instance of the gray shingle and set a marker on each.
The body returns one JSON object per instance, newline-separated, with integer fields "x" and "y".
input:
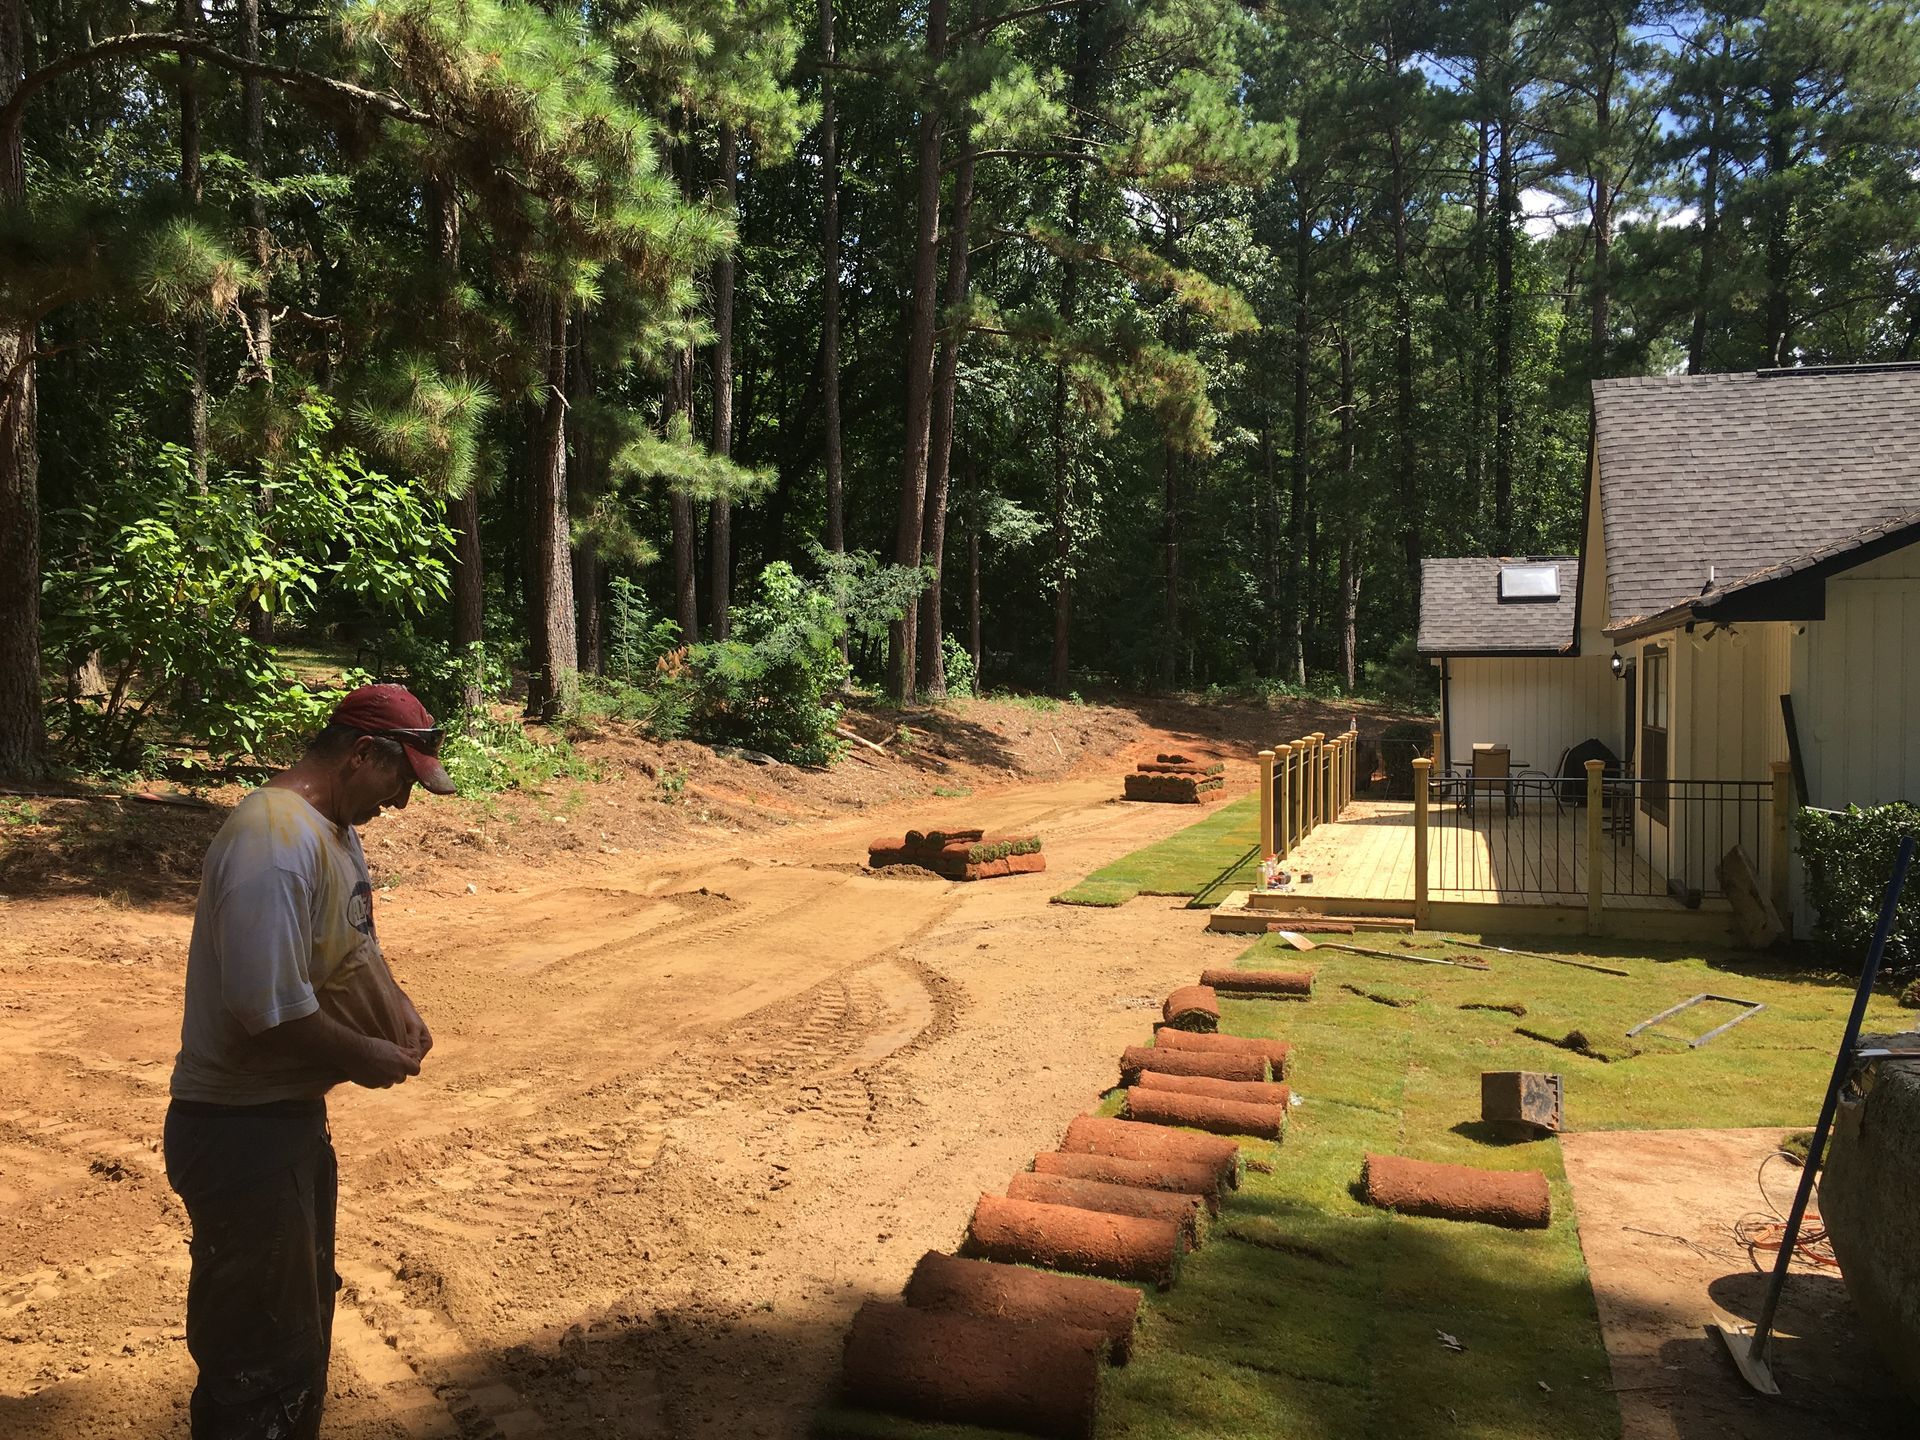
{"x": 1727, "y": 475}
{"x": 1461, "y": 612}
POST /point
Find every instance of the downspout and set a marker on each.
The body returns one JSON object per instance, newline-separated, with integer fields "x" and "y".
{"x": 1446, "y": 718}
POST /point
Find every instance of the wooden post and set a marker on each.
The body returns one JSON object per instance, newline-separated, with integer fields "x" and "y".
{"x": 1779, "y": 852}
{"x": 1299, "y": 791}
{"x": 1283, "y": 808}
{"x": 1596, "y": 816}
{"x": 1319, "y": 777}
{"x": 1421, "y": 766}
{"x": 1266, "y": 805}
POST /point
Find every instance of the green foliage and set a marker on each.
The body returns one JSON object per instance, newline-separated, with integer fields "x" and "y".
{"x": 637, "y": 640}
{"x": 1849, "y": 860}
{"x": 958, "y": 661}
{"x": 434, "y": 670}
{"x": 484, "y": 756}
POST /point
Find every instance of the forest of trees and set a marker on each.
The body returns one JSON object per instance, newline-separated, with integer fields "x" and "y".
{"x": 1147, "y": 342}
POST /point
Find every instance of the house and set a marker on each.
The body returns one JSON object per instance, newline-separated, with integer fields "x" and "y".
{"x": 1747, "y": 594}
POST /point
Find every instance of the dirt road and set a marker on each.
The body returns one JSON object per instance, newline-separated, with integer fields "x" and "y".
{"x": 680, "y": 1121}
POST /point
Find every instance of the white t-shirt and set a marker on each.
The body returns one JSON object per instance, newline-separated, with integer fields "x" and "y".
{"x": 285, "y": 915}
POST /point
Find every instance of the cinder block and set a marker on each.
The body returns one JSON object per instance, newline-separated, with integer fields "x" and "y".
{"x": 1521, "y": 1102}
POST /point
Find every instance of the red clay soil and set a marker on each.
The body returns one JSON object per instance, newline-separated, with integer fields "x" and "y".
{"x": 1125, "y": 1140}
{"x": 1038, "y": 1379}
{"x": 1169, "y": 1175}
{"x": 1013, "y": 1292}
{"x": 1192, "y": 1007}
{"x": 1181, "y": 1211}
{"x": 1084, "y": 1242}
{"x": 1169, "y": 1060}
{"x": 1218, "y": 1117}
{"x": 1258, "y": 983}
{"x": 1249, "y": 1092}
{"x": 1277, "y": 1053}
{"x": 1517, "y": 1199}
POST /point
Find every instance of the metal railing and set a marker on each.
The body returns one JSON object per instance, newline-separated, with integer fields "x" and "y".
{"x": 1303, "y": 784}
{"x": 1596, "y": 838}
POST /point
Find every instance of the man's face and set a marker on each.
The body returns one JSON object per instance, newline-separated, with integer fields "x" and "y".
{"x": 372, "y": 781}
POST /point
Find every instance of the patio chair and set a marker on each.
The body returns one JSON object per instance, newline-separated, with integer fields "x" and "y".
{"x": 1491, "y": 773}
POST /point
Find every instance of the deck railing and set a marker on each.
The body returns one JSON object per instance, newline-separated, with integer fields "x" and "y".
{"x": 1596, "y": 838}
{"x": 1303, "y": 784}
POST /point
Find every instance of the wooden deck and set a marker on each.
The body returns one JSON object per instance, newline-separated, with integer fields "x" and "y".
{"x": 1531, "y": 858}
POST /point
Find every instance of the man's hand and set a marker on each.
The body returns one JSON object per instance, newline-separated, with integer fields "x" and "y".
{"x": 419, "y": 1039}
{"x": 379, "y": 1064}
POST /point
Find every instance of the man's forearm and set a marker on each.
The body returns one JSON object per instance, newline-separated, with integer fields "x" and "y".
{"x": 321, "y": 1040}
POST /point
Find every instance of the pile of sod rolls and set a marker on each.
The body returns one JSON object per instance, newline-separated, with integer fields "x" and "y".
{"x": 1177, "y": 780}
{"x": 960, "y": 854}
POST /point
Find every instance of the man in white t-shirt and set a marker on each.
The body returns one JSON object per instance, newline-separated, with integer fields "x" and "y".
{"x": 287, "y": 995}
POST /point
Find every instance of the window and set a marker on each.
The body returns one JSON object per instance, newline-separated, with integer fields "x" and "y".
{"x": 1654, "y": 700}
{"x": 1529, "y": 582}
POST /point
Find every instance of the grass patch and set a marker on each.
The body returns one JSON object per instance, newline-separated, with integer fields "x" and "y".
{"x": 1310, "y": 1315}
{"x": 1203, "y": 861}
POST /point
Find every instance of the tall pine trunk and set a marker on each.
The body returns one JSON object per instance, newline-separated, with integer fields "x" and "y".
{"x": 1294, "y": 661}
{"x": 1505, "y": 202}
{"x": 946, "y": 379}
{"x": 256, "y": 305}
{"x": 193, "y": 191}
{"x": 554, "y": 679}
{"x": 1705, "y": 270}
{"x": 830, "y": 289}
{"x": 463, "y": 509}
{"x": 1412, "y": 528}
{"x": 586, "y": 478}
{"x": 1355, "y": 519}
{"x": 686, "y": 597}
{"x": 1476, "y": 442}
{"x": 22, "y": 732}
{"x": 1171, "y": 646}
{"x": 973, "y": 571}
{"x": 1777, "y": 222}
{"x": 909, "y": 525}
{"x": 720, "y": 511}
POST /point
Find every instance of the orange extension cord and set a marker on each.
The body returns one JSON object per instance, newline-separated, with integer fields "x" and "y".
{"x": 1759, "y": 1232}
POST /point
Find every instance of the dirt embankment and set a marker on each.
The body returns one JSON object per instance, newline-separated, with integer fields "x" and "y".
{"x": 701, "y": 1086}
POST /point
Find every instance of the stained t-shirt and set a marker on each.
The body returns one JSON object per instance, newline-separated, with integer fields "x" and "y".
{"x": 284, "y": 928}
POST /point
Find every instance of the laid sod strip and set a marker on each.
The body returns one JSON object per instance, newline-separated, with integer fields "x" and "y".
{"x": 1180, "y": 1211}
{"x": 1036, "y": 1379}
{"x": 1277, "y": 1053}
{"x": 1249, "y": 1092}
{"x": 1518, "y": 1200}
{"x": 1259, "y": 982}
{"x": 1098, "y": 1135}
{"x": 1198, "y": 859}
{"x": 1083, "y": 1242}
{"x": 1168, "y": 1061}
{"x": 1202, "y": 1112}
{"x": 1012, "y": 1292}
{"x": 1169, "y": 1175}
{"x": 1192, "y": 1007}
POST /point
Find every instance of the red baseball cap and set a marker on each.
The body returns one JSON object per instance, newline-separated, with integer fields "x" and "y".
{"x": 393, "y": 712}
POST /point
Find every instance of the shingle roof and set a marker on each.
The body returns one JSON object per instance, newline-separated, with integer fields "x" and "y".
{"x": 1722, "y": 476}
{"x": 1461, "y": 612}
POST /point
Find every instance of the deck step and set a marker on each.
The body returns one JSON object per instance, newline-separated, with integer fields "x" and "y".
{"x": 1242, "y": 914}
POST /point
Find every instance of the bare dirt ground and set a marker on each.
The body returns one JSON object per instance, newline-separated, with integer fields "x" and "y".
{"x": 700, "y": 1088}
{"x": 1657, "y": 1210}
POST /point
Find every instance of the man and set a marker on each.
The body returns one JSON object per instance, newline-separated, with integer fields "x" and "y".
{"x": 287, "y": 995}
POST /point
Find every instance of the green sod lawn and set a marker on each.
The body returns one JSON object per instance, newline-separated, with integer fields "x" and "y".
{"x": 1311, "y": 1316}
{"x": 1205, "y": 861}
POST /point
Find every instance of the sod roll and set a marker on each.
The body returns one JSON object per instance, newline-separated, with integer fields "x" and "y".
{"x": 1182, "y": 1211}
{"x": 1122, "y": 1139}
{"x": 1038, "y": 1379}
{"x": 1086, "y": 1242}
{"x": 1218, "y": 1117}
{"x": 1013, "y": 1292}
{"x": 1192, "y": 1007}
{"x": 1173, "y": 1176}
{"x": 1170, "y": 1061}
{"x": 1252, "y": 1092}
{"x": 1517, "y": 1199}
{"x": 1277, "y": 1053}
{"x": 1259, "y": 983}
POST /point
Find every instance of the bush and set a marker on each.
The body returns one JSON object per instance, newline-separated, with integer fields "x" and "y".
{"x": 484, "y": 755}
{"x": 1849, "y": 860}
{"x": 958, "y": 660}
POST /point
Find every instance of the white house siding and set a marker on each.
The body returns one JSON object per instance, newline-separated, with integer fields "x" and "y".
{"x": 1535, "y": 705}
{"x": 1856, "y": 690}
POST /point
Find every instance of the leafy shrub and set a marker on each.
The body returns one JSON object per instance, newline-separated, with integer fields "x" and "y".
{"x": 959, "y": 665}
{"x": 435, "y": 670}
{"x": 484, "y": 755}
{"x": 1403, "y": 677}
{"x": 1849, "y": 860}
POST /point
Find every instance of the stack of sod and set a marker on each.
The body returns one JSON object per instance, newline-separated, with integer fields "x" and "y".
{"x": 1250, "y": 1092}
{"x": 1171, "y": 1061}
{"x": 1123, "y": 1139}
{"x": 1172, "y": 1176}
{"x": 1517, "y": 1199}
{"x": 1182, "y": 1211}
{"x": 1203, "y": 1112}
{"x": 1177, "y": 780}
{"x": 1038, "y": 1379}
{"x": 960, "y": 854}
{"x": 1192, "y": 1007}
{"x": 1277, "y": 1053}
{"x": 1087, "y": 1242}
{"x": 1011, "y": 1292}
{"x": 1258, "y": 984}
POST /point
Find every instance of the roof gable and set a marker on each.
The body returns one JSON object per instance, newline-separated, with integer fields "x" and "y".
{"x": 1461, "y": 612}
{"x": 1707, "y": 478}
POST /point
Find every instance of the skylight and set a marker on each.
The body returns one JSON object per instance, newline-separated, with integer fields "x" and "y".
{"x": 1529, "y": 582}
